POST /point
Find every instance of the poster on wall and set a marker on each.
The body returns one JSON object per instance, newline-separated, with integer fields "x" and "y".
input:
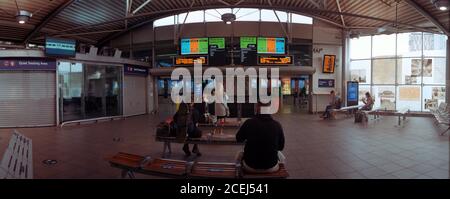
{"x": 326, "y": 83}
{"x": 286, "y": 87}
{"x": 387, "y": 98}
{"x": 427, "y": 67}
{"x": 416, "y": 67}
{"x": 409, "y": 93}
{"x": 329, "y": 63}
{"x": 409, "y": 79}
{"x": 358, "y": 75}
{"x": 438, "y": 93}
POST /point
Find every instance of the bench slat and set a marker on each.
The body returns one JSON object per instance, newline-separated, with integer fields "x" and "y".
{"x": 214, "y": 170}
{"x": 166, "y": 166}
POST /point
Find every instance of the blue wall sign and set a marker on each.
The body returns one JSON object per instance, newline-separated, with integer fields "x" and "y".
{"x": 60, "y": 47}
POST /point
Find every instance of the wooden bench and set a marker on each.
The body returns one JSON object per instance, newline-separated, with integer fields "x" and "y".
{"x": 347, "y": 110}
{"x": 17, "y": 162}
{"x": 214, "y": 170}
{"x": 402, "y": 115}
{"x": 131, "y": 164}
{"x": 209, "y": 140}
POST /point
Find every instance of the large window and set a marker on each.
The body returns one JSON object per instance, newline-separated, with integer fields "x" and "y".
{"x": 89, "y": 91}
{"x": 242, "y": 14}
{"x": 404, "y": 70}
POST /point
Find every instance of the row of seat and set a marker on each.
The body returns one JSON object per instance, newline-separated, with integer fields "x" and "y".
{"x": 441, "y": 114}
{"x": 131, "y": 164}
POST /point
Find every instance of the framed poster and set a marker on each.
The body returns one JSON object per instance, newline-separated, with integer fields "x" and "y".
{"x": 329, "y": 63}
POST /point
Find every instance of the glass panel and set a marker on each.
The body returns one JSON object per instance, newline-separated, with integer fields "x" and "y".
{"x": 363, "y": 89}
{"x": 301, "y": 19}
{"x": 195, "y": 17}
{"x": 212, "y": 16}
{"x": 246, "y": 14}
{"x": 166, "y": 21}
{"x": 408, "y": 71}
{"x": 384, "y": 97}
{"x": 433, "y": 96}
{"x": 434, "y": 70}
{"x": 409, "y": 97}
{"x": 384, "y": 46}
{"x": 409, "y": 44}
{"x": 434, "y": 45}
{"x": 360, "y": 71}
{"x": 384, "y": 71}
{"x": 71, "y": 85}
{"x": 360, "y": 48}
{"x": 95, "y": 93}
{"x": 112, "y": 88}
{"x": 269, "y": 15}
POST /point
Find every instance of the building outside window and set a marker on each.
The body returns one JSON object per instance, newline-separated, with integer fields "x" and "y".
{"x": 404, "y": 70}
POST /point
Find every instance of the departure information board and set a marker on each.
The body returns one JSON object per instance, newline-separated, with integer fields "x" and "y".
{"x": 190, "y": 61}
{"x": 217, "y": 52}
{"x": 194, "y": 46}
{"x": 248, "y": 51}
{"x": 271, "y": 45}
{"x": 275, "y": 60}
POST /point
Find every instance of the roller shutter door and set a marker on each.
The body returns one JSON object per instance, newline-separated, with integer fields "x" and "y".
{"x": 134, "y": 95}
{"x": 27, "y": 99}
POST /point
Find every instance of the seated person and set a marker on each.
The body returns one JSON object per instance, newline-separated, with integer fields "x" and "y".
{"x": 264, "y": 139}
{"x": 368, "y": 102}
{"x": 188, "y": 117}
{"x": 335, "y": 103}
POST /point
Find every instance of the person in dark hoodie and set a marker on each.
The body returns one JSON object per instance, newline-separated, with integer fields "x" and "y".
{"x": 264, "y": 141}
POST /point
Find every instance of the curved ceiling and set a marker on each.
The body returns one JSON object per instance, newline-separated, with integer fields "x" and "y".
{"x": 97, "y": 21}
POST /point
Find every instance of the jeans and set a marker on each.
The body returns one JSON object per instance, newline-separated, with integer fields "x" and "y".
{"x": 327, "y": 111}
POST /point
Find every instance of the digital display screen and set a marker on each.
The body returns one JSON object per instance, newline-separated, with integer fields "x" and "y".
{"x": 217, "y": 42}
{"x": 60, "y": 47}
{"x": 352, "y": 93}
{"x": 189, "y": 61}
{"x": 329, "y": 62}
{"x": 248, "y": 42}
{"x": 194, "y": 46}
{"x": 275, "y": 60}
{"x": 271, "y": 45}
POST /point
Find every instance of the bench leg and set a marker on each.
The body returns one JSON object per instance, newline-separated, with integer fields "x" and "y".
{"x": 399, "y": 121}
{"x": 128, "y": 173}
{"x": 167, "y": 149}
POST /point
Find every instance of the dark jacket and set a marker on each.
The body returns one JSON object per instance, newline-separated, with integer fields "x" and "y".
{"x": 188, "y": 117}
{"x": 264, "y": 138}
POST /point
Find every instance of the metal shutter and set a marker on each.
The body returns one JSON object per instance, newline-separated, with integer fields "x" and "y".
{"x": 134, "y": 96}
{"x": 27, "y": 99}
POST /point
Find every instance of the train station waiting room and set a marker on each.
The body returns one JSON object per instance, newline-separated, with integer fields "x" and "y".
{"x": 234, "y": 89}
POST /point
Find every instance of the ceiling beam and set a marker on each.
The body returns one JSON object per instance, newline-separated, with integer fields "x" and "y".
{"x": 318, "y": 3}
{"x": 141, "y": 6}
{"x": 340, "y": 11}
{"x": 427, "y": 15}
{"x": 47, "y": 19}
{"x": 224, "y": 2}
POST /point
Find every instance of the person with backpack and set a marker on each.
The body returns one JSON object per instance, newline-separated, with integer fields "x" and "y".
{"x": 186, "y": 120}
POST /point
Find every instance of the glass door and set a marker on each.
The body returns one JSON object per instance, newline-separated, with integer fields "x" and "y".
{"x": 71, "y": 91}
{"x": 95, "y": 99}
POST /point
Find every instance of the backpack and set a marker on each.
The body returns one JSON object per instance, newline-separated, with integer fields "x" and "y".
{"x": 163, "y": 130}
{"x": 359, "y": 116}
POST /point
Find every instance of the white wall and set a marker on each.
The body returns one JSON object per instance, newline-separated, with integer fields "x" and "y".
{"x": 327, "y": 40}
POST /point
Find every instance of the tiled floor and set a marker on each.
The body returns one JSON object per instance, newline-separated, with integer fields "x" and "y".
{"x": 314, "y": 148}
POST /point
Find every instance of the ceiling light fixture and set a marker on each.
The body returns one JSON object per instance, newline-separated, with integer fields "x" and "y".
{"x": 228, "y": 18}
{"x": 442, "y": 5}
{"x": 23, "y": 16}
